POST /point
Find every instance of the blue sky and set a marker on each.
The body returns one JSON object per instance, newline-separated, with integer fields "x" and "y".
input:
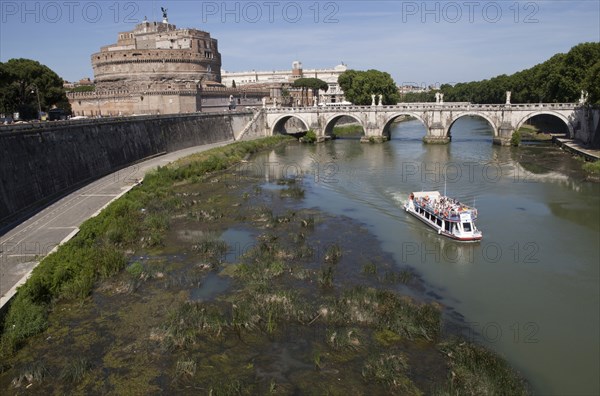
{"x": 421, "y": 42}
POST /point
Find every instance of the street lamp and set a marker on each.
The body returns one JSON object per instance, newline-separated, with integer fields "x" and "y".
{"x": 37, "y": 92}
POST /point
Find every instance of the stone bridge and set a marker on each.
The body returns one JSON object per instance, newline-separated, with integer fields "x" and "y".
{"x": 436, "y": 117}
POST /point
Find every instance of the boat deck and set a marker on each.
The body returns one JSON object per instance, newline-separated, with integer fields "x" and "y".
{"x": 445, "y": 207}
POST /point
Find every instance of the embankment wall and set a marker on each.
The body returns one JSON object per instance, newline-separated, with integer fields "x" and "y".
{"x": 41, "y": 162}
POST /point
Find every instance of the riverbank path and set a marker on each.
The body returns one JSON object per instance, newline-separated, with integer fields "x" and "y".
{"x": 22, "y": 247}
{"x": 576, "y": 147}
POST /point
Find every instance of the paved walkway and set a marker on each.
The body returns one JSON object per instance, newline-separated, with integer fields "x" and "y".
{"x": 24, "y": 246}
{"x": 576, "y": 147}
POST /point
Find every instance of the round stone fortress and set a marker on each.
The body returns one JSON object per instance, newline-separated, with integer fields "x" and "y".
{"x": 157, "y": 57}
{"x": 159, "y": 69}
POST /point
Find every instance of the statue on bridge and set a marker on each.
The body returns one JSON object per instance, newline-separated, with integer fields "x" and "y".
{"x": 439, "y": 98}
{"x": 584, "y": 97}
{"x": 373, "y": 100}
{"x": 380, "y": 97}
{"x": 508, "y": 93}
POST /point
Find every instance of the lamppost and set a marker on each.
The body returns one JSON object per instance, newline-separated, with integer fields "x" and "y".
{"x": 37, "y": 92}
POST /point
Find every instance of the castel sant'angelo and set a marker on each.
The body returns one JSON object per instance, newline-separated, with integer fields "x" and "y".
{"x": 159, "y": 69}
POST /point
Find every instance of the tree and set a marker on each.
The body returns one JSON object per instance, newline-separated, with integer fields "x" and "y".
{"x": 358, "y": 86}
{"x": 314, "y": 84}
{"x": 559, "y": 79}
{"x": 592, "y": 84}
{"x": 27, "y": 85}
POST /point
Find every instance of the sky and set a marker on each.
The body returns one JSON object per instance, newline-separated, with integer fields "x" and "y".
{"x": 418, "y": 42}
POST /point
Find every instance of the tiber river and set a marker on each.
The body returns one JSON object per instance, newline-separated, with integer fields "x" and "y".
{"x": 530, "y": 289}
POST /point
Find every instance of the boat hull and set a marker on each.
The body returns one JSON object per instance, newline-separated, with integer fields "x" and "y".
{"x": 475, "y": 237}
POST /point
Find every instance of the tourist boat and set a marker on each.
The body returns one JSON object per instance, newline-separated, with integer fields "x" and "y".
{"x": 445, "y": 215}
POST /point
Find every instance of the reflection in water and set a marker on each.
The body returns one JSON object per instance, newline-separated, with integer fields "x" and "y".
{"x": 530, "y": 289}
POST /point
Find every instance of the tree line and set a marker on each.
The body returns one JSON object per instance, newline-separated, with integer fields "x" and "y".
{"x": 560, "y": 79}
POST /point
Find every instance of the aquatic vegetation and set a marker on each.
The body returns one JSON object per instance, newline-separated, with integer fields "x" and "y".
{"x": 191, "y": 321}
{"x": 210, "y": 246}
{"x": 405, "y": 276}
{"x": 309, "y": 137}
{"x": 281, "y": 327}
{"x": 317, "y": 359}
{"x": 75, "y": 369}
{"x": 593, "y": 168}
{"x": 185, "y": 367}
{"x": 477, "y": 371}
{"x": 391, "y": 370}
{"x": 308, "y": 222}
{"x": 333, "y": 254}
{"x": 32, "y": 372}
{"x": 326, "y": 276}
{"x": 342, "y": 338}
{"x": 292, "y": 192}
{"x": 286, "y": 181}
{"x": 386, "y": 310}
{"x": 370, "y": 268}
{"x": 135, "y": 269}
{"x": 386, "y": 337}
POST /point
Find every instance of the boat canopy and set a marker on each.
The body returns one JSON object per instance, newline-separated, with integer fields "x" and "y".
{"x": 431, "y": 194}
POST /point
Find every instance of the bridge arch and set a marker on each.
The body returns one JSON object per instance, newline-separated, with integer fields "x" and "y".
{"x": 330, "y": 123}
{"x": 552, "y": 113}
{"x": 279, "y": 124}
{"x": 486, "y": 117}
{"x": 385, "y": 131}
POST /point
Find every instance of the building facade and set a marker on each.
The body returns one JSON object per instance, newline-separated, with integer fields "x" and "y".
{"x": 159, "y": 69}
{"x": 279, "y": 80}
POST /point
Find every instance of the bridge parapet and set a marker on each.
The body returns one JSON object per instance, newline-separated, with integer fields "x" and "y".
{"x": 425, "y": 106}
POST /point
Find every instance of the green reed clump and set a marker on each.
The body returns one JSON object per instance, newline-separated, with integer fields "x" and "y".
{"x": 263, "y": 262}
{"x": 333, "y": 254}
{"x": 392, "y": 371}
{"x": 155, "y": 226}
{"x": 343, "y": 338}
{"x": 478, "y": 371}
{"x": 210, "y": 246}
{"x": 32, "y": 372}
{"x": 370, "y": 268}
{"x": 326, "y": 277}
{"x": 75, "y": 369}
{"x": 385, "y": 310}
{"x": 191, "y": 321}
{"x": 185, "y": 368}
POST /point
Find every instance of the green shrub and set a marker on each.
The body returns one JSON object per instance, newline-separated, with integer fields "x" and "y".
{"x": 515, "y": 139}
{"x": 23, "y": 320}
{"x": 310, "y": 137}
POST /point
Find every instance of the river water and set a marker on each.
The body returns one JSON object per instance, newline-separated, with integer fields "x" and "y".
{"x": 530, "y": 290}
